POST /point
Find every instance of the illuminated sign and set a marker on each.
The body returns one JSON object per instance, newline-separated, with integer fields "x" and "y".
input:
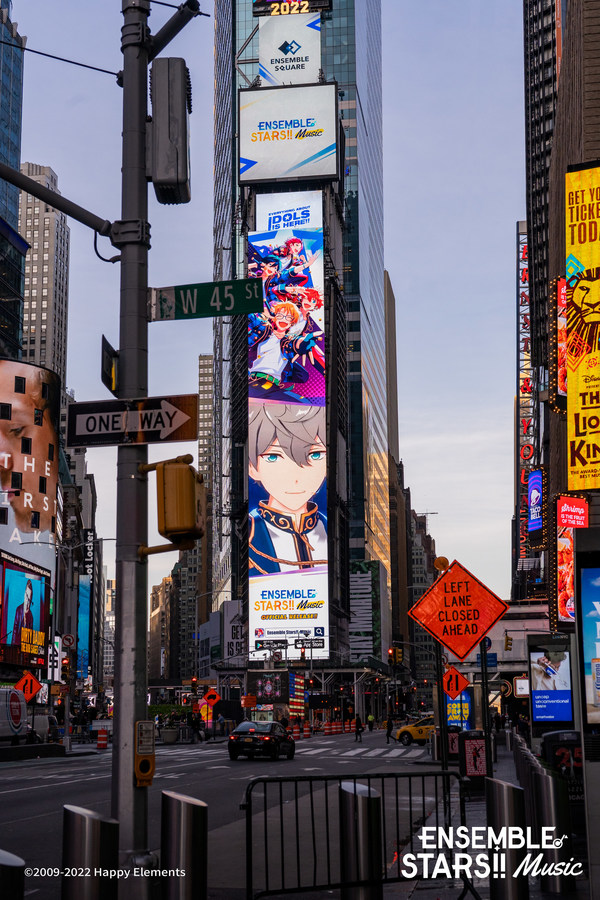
{"x": 287, "y": 445}
{"x": 557, "y": 323}
{"x": 535, "y": 500}
{"x": 583, "y": 328}
{"x": 550, "y": 681}
{"x": 301, "y": 209}
{"x": 369, "y": 629}
{"x": 526, "y": 409}
{"x": 291, "y": 8}
{"x": 288, "y": 133}
{"x": 521, "y": 686}
{"x": 589, "y": 638}
{"x": 571, "y": 512}
{"x": 289, "y": 50}
{"x": 458, "y": 610}
{"x": 459, "y": 710}
{"x": 24, "y": 611}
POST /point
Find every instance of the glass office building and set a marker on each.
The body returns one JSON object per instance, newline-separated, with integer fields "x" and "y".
{"x": 12, "y": 247}
{"x": 351, "y": 55}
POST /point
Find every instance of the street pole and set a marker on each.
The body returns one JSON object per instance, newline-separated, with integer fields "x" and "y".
{"x": 131, "y": 234}
{"x": 489, "y": 766}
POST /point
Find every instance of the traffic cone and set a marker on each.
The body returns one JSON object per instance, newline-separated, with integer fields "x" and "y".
{"x": 327, "y": 729}
{"x": 296, "y": 732}
{"x": 306, "y": 729}
{"x": 102, "y": 740}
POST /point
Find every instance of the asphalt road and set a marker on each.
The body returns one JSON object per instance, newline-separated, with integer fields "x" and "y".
{"x": 33, "y": 793}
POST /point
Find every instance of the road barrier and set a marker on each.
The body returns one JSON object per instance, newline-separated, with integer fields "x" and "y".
{"x": 90, "y": 841}
{"x": 296, "y": 829}
{"x": 12, "y": 875}
{"x": 184, "y": 846}
{"x": 102, "y": 740}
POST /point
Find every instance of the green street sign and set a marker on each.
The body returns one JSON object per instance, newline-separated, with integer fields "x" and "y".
{"x": 203, "y": 301}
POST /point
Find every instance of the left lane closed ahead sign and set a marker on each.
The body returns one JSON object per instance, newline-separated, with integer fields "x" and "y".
{"x": 146, "y": 420}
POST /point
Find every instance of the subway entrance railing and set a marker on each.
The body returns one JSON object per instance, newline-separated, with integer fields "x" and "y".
{"x": 331, "y": 832}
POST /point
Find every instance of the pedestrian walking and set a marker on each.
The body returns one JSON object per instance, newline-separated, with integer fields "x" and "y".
{"x": 221, "y": 721}
{"x": 358, "y": 729}
{"x": 370, "y": 721}
{"x": 389, "y": 729}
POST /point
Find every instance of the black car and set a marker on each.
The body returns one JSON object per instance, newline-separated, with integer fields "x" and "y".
{"x": 261, "y": 739}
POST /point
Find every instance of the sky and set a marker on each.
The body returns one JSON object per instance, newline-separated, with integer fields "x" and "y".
{"x": 454, "y": 189}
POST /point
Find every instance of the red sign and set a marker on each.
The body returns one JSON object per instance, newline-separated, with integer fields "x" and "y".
{"x": 458, "y": 610}
{"x": 249, "y": 701}
{"x": 212, "y": 697}
{"x": 572, "y": 512}
{"x": 475, "y": 757}
{"x": 29, "y": 685}
{"x": 15, "y": 710}
{"x": 454, "y": 682}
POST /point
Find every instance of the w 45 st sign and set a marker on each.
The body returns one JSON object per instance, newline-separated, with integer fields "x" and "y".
{"x": 203, "y": 301}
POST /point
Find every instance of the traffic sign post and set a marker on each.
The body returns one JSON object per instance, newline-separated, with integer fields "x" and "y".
{"x": 454, "y": 682}
{"x": 145, "y": 420}
{"x": 207, "y": 300}
{"x": 29, "y": 685}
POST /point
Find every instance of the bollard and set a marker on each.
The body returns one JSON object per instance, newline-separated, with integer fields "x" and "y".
{"x": 90, "y": 841}
{"x": 12, "y": 875}
{"x": 102, "y": 743}
{"x": 505, "y": 805}
{"x": 306, "y": 729}
{"x": 552, "y": 809}
{"x": 361, "y": 857}
{"x": 184, "y": 846}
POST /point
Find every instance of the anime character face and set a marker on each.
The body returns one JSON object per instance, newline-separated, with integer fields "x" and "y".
{"x": 283, "y": 321}
{"x": 289, "y": 485}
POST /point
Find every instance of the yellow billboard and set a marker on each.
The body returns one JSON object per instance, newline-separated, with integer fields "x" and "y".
{"x": 582, "y": 208}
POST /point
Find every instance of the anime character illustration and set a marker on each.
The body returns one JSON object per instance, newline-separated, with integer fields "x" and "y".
{"x": 274, "y": 368}
{"x": 295, "y": 262}
{"x": 287, "y": 461}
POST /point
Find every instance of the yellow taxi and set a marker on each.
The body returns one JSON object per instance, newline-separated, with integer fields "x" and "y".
{"x": 417, "y": 731}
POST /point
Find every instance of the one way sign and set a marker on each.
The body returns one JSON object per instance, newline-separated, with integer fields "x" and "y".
{"x": 147, "y": 420}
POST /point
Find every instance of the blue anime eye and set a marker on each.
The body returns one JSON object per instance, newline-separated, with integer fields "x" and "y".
{"x": 316, "y": 455}
{"x": 271, "y": 457}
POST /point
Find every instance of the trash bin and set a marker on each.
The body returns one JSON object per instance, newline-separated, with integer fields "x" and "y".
{"x": 453, "y": 733}
{"x": 472, "y": 758}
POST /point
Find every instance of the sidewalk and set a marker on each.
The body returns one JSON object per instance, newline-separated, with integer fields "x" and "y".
{"x": 476, "y": 816}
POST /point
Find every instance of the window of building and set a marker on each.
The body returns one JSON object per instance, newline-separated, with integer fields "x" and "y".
{"x": 5, "y": 411}
{"x": 26, "y": 446}
{"x": 16, "y": 481}
{"x": 3, "y": 515}
{"x": 38, "y": 417}
{"x": 35, "y": 520}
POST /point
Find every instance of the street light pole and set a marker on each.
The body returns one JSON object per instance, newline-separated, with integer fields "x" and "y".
{"x": 131, "y": 234}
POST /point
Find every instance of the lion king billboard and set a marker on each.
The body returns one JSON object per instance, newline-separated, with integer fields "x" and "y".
{"x": 582, "y": 208}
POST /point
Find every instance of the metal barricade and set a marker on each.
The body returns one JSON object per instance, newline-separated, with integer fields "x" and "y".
{"x": 295, "y": 829}
{"x": 90, "y": 841}
{"x": 505, "y": 804}
{"x": 184, "y": 846}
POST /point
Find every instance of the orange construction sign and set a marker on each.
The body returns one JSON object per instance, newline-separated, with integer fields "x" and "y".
{"x": 458, "y": 610}
{"x": 29, "y": 685}
{"x": 454, "y": 682}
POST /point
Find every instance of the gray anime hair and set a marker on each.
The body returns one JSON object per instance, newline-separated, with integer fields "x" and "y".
{"x": 297, "y": 428}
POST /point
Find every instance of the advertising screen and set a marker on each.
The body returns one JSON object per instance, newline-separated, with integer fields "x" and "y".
{"x": 550, "y": 682}
{"x": 583, "y": 329}
{"x": 590, "y": 640}
{"x": 24, "y": 611}
{"x": 289, "y": 50}
{"x": 571, "y": 512}
{"x": 288, "y": 133}
{"x": 287, "y": 438}
{"x": 286, "y": 9}
{"x": 29, "y": 415}
{"x": 535, "y": 500}
{"x": 300, "y": 209}
{"x": 460, "y": 711}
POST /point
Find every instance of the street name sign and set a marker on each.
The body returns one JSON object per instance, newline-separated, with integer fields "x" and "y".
{"x": 147, "y": 420}
{"x": 204, "y": 301}
{"x": 458, "y": 610}
{"x": 29, "y": 685}
{"x": 454, "y": 682}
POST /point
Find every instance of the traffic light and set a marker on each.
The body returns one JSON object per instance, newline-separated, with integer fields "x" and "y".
{"x": 399, "y": 654}
{"x": 65, "y": 669}
{"x": 194, "y": 685}
{"x": 171, "y": 95}
{"x": 181, "y": 501}
{"x": 391, "y": 655}
{"x": 507, "y": 642}
{"x": 302, "y": 654}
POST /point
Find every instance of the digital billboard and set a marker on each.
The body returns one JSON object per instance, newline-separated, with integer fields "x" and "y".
{"x": 525, "y": 443}
{"x": 550, "y": 683}
{"x": 286, "y": 9}
{"x": 583, "y": 328}
{"x": 300, "y": 209}
{"x": 287, "y": 452}
{"x": 535, "y": 500}
{"x": 289, "y": 50}
{"x": 29, "y": 416}
{"x": 288, "y": 133}
{"x": 24, "y": 611}
{"x": 589, "y": 637}
{"x": 571, "y": 512}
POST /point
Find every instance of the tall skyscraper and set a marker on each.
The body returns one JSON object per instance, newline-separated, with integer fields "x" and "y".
{"x": 12, "y": 246}
{"x": 46, "y": 275}
{"x": 350, "y": 55}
